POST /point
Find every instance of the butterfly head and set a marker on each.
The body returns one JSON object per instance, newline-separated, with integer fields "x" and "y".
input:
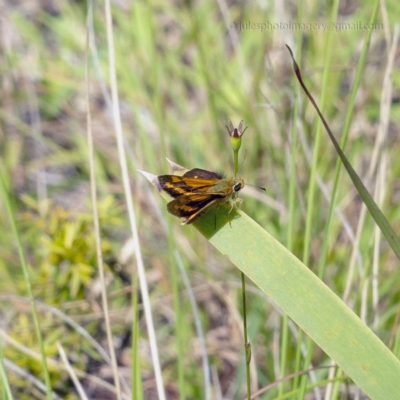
{"x": 238, "y": 184}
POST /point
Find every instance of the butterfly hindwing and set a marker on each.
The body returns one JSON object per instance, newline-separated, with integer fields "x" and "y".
{"x": 191, "y": 207}
{"x": 199, "y": 173}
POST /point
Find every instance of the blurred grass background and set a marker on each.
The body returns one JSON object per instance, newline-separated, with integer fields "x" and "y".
{"x": 184, "y": 69}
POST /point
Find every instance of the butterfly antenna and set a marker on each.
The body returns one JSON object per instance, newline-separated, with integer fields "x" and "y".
{"x": 258, "y": 187}
{"x": 244, "y": 157}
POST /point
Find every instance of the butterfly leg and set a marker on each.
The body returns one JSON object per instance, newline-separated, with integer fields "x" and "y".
{"x": 232, "y": 203}
{"x": 235, "y": 203}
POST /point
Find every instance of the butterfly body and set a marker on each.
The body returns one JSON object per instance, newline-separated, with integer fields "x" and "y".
{"x": 197, "y": 190}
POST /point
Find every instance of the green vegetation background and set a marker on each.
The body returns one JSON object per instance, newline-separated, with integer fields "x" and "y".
{"x": 183, "y": 71}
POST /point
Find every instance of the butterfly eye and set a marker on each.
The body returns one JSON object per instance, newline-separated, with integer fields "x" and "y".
{"x": 237, "y": 187}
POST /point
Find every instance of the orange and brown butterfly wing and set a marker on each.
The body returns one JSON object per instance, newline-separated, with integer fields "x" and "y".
{"x": 192, "y": 206}
{"x": 177, "y": 186}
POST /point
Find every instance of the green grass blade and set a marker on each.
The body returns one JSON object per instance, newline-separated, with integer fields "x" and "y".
{"x": 8, "y": 205}
{"x": 312, "y": 191}
{"x": 293, "y": 208}
{"x": 5, "y": 386}
{"x": 345, "y": 133}
{"x": 376, "y": 213}
{"x": 308, "y": 301}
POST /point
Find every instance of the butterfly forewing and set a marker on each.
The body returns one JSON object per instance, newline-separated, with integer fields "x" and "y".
{"x": 177, "y": 186}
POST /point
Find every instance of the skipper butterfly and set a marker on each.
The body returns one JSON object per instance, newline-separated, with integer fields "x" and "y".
{"x": 197, "y": 190}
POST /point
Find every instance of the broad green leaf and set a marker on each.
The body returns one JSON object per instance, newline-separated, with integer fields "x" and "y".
{"x": 304, "y": 297}
{"x": 307, "y": 300}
